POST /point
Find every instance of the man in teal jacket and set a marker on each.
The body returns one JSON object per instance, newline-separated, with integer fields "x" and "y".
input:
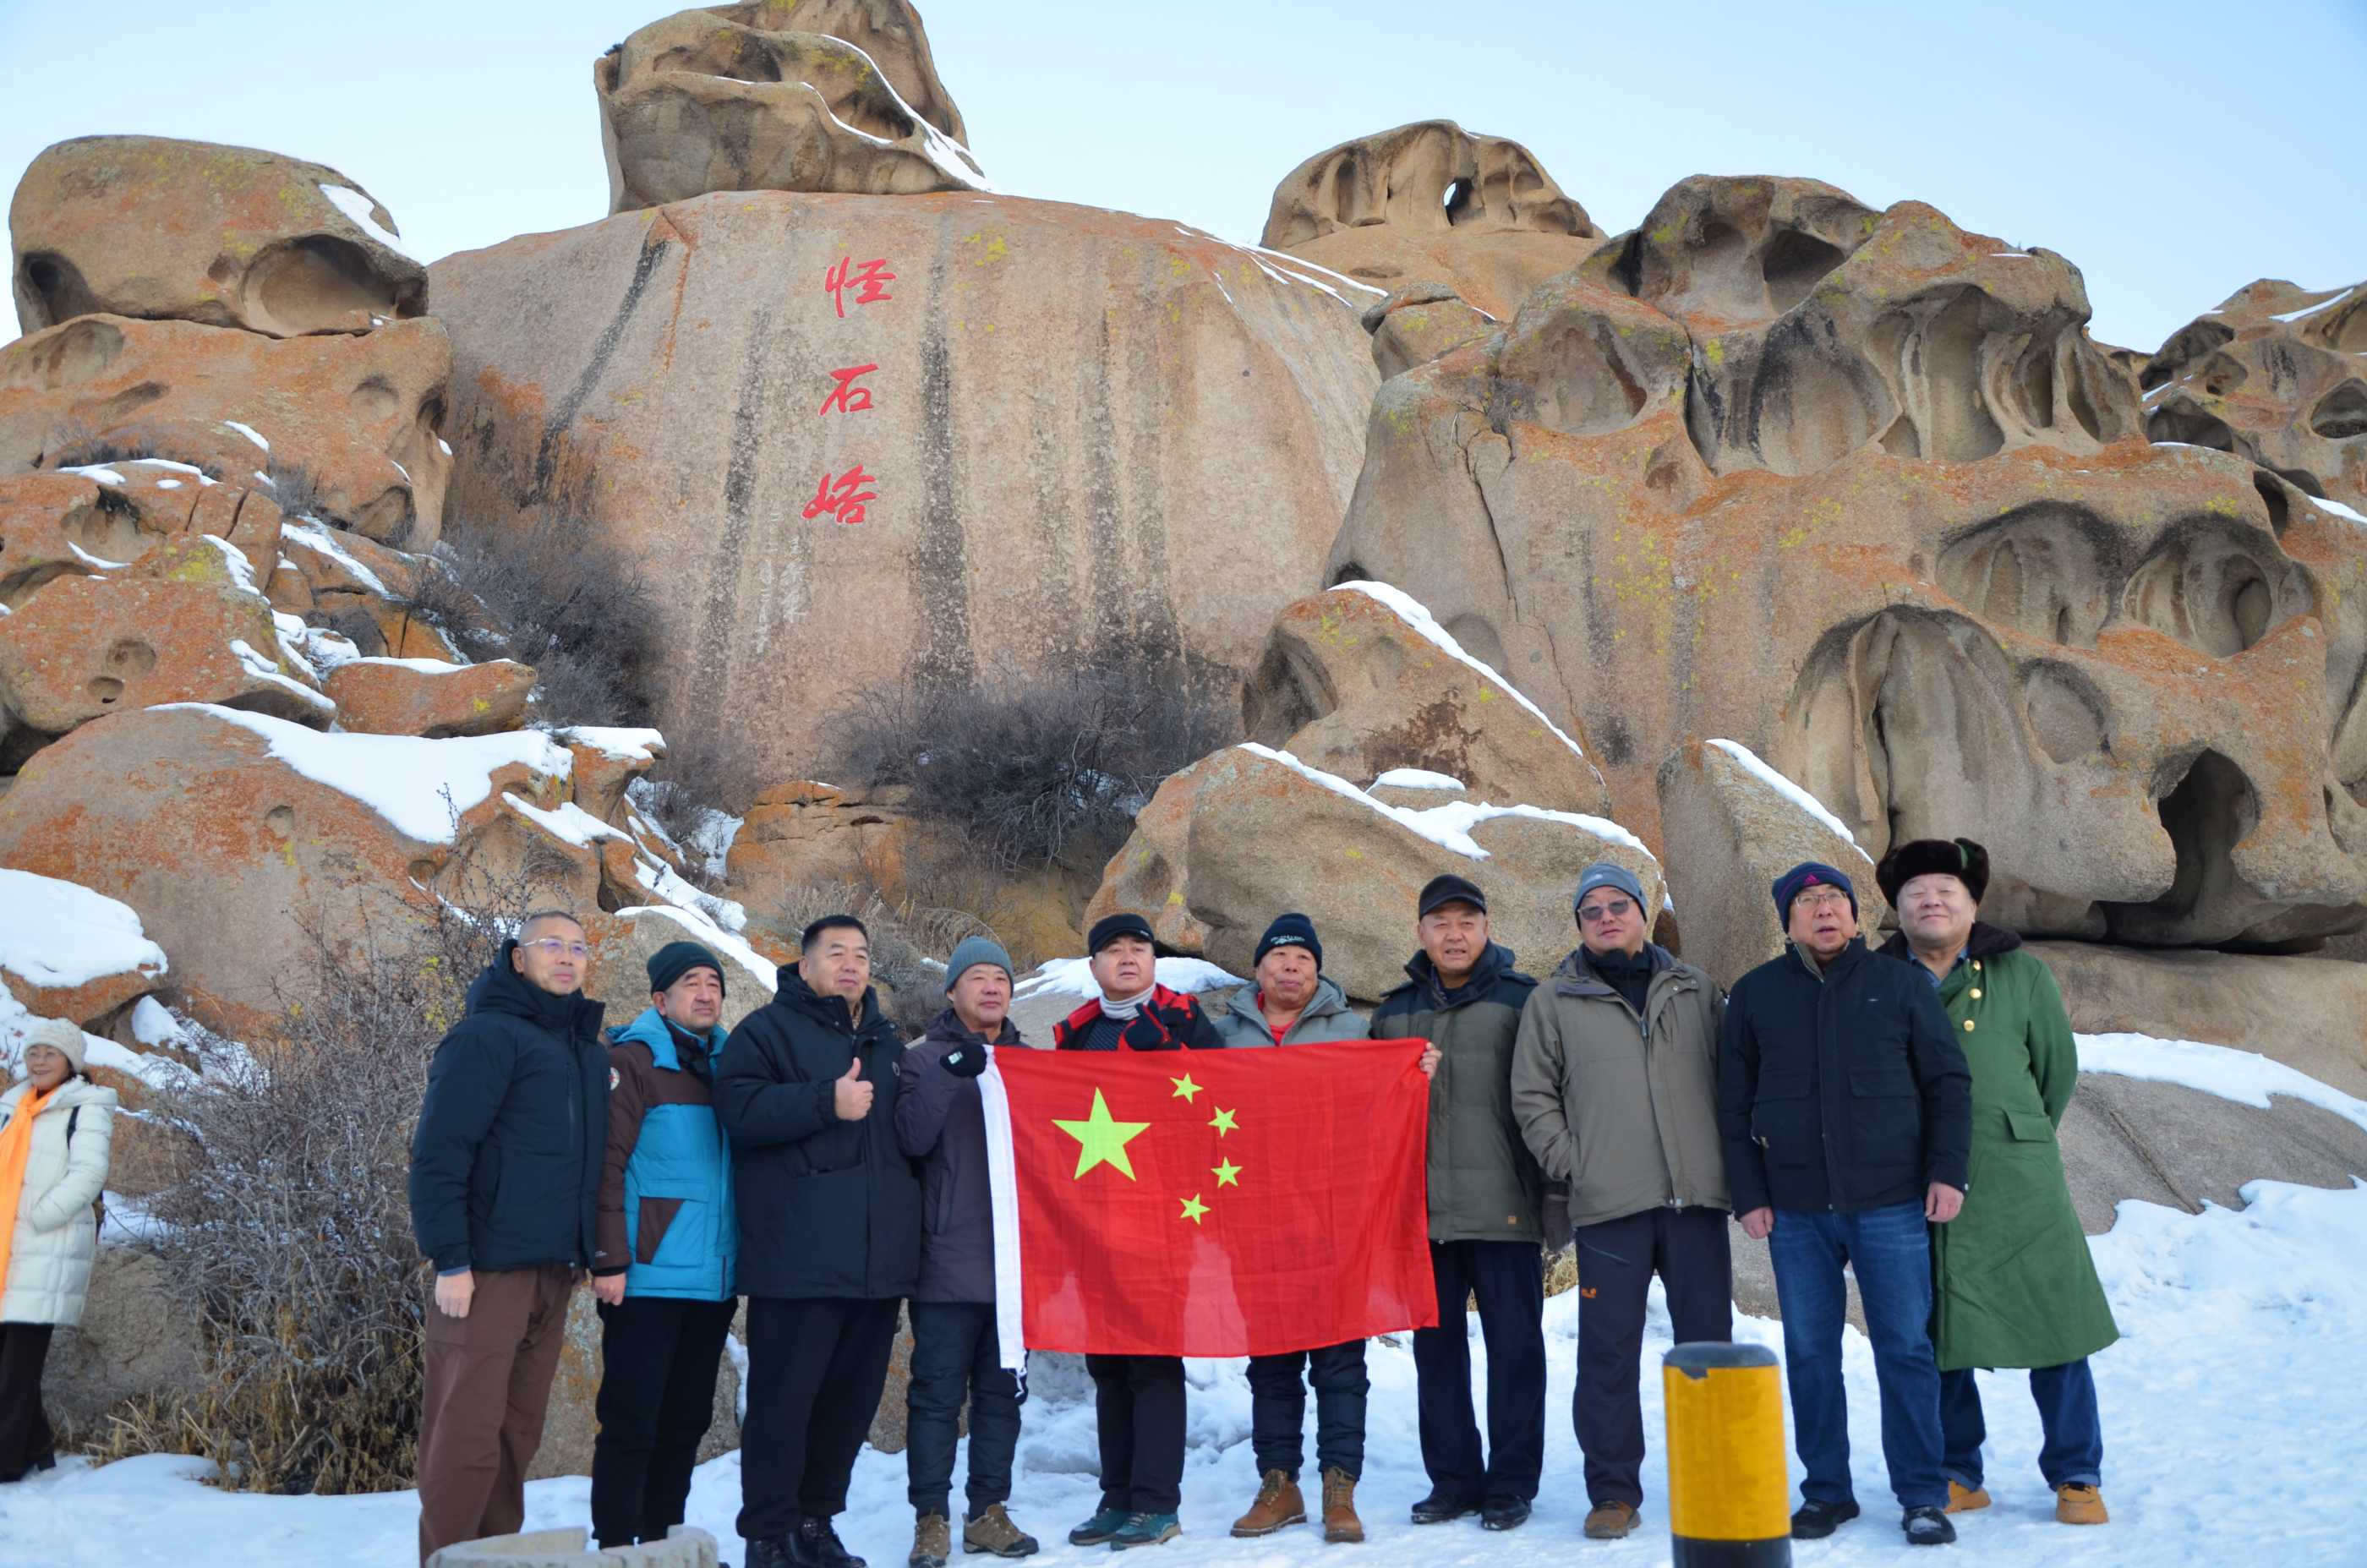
{"x": 666, "y": 1244}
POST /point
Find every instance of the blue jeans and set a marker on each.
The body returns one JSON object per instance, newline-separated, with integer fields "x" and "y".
{"x": 1890, "y": 1251}
{"x": 2071, "y": 1453}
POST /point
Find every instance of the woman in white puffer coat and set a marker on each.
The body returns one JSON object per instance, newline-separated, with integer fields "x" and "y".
{"x": 55, "y": 1126}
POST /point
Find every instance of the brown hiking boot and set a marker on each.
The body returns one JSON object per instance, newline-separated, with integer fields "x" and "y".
{"x": 1278, "y": 1504}
{"x": 2080, "y": 1506}
{"x": 1963, "y": 1499}
{"x": 932, "y": 1542}
{"x": 992, "y": 1532}
{"x": 1611, "y": 1521}
{"x": 1340, "y": 1521}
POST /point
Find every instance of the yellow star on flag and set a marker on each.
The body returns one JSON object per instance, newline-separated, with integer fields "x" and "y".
{"x": 1227, "y": 1174}
{"x": 1101, "y": 1139}
{"x": 1185, "y": 1087}
{"x": 1223, "y": 1123}
{"x": 1193, "y": 1209}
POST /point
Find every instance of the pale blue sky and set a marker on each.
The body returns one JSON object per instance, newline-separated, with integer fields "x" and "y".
{"x": 2174, "y": 150}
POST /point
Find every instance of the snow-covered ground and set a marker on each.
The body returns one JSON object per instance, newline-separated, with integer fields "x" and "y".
{"x": 2233, "y": 1411}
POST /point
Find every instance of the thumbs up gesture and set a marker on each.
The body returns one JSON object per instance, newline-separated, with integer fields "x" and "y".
{"x": 851, "y": 1095}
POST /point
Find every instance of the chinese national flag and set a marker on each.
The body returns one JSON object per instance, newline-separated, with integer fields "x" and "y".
{"x": 1234, "y": 1202}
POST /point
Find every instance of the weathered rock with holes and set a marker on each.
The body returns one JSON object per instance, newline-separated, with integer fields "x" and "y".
{"x": 65, "y": 524}
{"x": 1431, "y": 202}
{"x": 1245, "y": 833}
{"x": 84, "y": 647}
{"x": 1360, "y": 680}
{"x": 2133, "y": 672}
{"x": 2273, "y": 375}
{"x": 429, "y": 698}
{"x": 1192, "y": 414}
{"x": 1729, "y": 832}
{"x": 731, "y": 98}
{"x": 192, "y": 231}
{"x": 350, "y": 421}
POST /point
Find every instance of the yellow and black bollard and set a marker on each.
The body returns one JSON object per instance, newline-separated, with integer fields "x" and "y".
{"x": 1729, "y": 1497}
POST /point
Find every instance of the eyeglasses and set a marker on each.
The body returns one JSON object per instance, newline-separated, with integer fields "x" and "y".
{"x": 1822, "y": 898}
{"x": 553, "y": 946}
{"x": 1609, "y": 909}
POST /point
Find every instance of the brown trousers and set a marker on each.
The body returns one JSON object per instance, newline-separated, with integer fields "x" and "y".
{"x": 488, "y": 1384}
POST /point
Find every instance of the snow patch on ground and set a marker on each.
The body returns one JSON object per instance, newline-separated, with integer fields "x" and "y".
{"x": 2245, "y": 1076}
{"x": 2212, "y": 1306}
{"x": 1074, "y": 977}
{"x": 1789, "y": 790}
{"x": 420, "y": 786}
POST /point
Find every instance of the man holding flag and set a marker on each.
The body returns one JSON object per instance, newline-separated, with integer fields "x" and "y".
{"x": 1138, "y": 1400}
{"x": 1163, "y": 1202}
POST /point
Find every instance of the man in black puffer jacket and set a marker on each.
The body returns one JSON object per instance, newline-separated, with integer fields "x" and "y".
{"x": 1845, "y": 1107}
{"x": 504, "y": 1174}
{"x": 830, "y": 1236}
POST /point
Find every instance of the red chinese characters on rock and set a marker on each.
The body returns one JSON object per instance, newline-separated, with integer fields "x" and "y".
{"x": 865, "y": 277}
{"x": 846, "y": 397}
{"x": 841, "y": 499}
{"x": 844, "y": 497}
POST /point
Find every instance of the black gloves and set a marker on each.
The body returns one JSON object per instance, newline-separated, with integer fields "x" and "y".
{"x": 965, "y": 1061}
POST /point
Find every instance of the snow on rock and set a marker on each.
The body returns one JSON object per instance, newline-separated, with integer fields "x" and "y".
{"x": 1415, "y": 778}
{"x": 1074, "y": 977}
{"x": 2350, "y": 513}
{"x": 248, "y": 431}
{"x": 699, "y": 926}
{"x": 57, "y": 935}
{"x": 322, "y": 538}
{"x": 154, "y": 1025}
{"x": 634, "y": 745}
{"x": 419, "y": 787}
{"x": 2246, "y": 1077}
{"x": 1789, "y": 790}
{"x": 1413, "y": 613}
{"x": 1449, "y": 826}
{"x": 362, "y": 210}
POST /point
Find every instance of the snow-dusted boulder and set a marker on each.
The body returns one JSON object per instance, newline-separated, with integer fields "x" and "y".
{"x": 1362, "y": 682}
{"x": 1730, "y": 825}
{"x": 66, "y": 952}
{"x": 1249, "y": 832}
{"x": 430, "y": 697}
{"x": 196, "y": 231}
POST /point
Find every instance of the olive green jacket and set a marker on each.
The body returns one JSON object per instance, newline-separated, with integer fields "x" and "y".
{"x": 1484, "y": 1183}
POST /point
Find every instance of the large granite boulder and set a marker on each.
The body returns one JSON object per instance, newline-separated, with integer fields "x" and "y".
{"x": 822, "y": 473}
{"x": 774, "y": 95}
{"x": 343, "y": 427}
{"x": 194, "y": 232}
{"x": 1953, "y": 592}
{"x": 1431, "y": 202}
{"x": 1249, "y": 832}
{"x": 1730, "y": 826}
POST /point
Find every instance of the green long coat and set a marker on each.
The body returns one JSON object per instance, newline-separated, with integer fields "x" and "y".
{"x": 2015, "y": 1284}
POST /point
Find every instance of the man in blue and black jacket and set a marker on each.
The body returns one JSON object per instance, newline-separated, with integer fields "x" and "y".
{"x": 1845, "y": 1107}
{"x": 668, "y": 1241}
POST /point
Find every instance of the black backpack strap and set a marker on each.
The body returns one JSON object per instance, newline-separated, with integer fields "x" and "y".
{"x": 73, "y": 1114}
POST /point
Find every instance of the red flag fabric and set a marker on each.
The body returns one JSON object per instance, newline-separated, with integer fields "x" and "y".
{"x": 1235, "y": 1203}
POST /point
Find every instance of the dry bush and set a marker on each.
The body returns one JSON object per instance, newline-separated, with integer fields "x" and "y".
{"x": 288, "y": 1225}
{"x": 552, "y": 595}
{"x": 717, "y": 771}
{"x": 1038, "y": 769}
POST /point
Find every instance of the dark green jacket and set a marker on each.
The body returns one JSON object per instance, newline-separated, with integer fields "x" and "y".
{"x": 2016, "y": 1284}
{"x": 1484, "y": 1183}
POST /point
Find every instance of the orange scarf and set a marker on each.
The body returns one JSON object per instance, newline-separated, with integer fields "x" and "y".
{"x": 15, "y": 1151}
